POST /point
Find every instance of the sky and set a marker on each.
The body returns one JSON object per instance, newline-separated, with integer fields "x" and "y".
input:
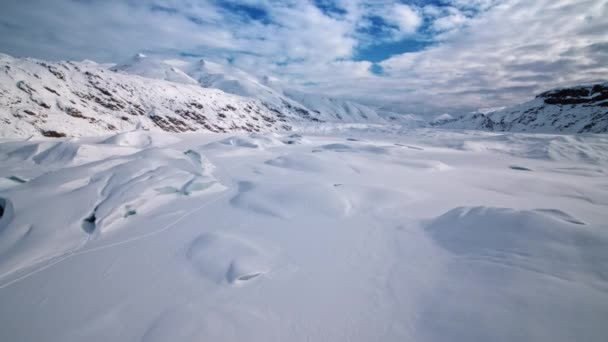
{"x": 416, "y": 56}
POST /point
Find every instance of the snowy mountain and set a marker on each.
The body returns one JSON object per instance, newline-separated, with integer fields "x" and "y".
{"x": 84, "y": 99}
{"x": 580, "y": 109}
{"x": 148, "y": 67}
{"x": 335, "y": 110}
{"x": 270, "y": 91}
{"x": 229, "y": 79}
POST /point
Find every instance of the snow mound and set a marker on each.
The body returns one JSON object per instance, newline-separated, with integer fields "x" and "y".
{"x": 140, "y": 139}
{"x": 64, "y": 152}
{"x": 79, "y": 202}
{"x": 252, "y": 141}
{"x": 298, "y": 162}
{"x": 55, "y": 155}
{"x": 132, "y": 139}
{"x": 229, "y": 259}
{"x": 385, "y": 200}
{"x": 516, "y": 274}
{"x": 546, "y": 239}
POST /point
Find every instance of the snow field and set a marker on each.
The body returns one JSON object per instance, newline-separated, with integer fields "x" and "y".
{"x": 360, "y": 235}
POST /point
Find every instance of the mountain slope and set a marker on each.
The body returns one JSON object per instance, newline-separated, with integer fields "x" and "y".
{"x": 145, "y": 66}
{"x": 235, "y": 81}
{"x": 330, "y": 109}
{"x": 84, "y": 98}
{"x": 580, "y": 109}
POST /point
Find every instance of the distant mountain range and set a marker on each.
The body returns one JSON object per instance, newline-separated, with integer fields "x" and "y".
{"x": 85, "y": 98}
{"x": 238, "y": 82}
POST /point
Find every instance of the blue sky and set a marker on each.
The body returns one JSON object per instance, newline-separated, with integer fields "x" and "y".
{"x": 421, "y": 56}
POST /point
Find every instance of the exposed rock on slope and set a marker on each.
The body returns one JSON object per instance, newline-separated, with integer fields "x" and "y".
{"x": 580, "y": 109}
{"x": 84, "y": 98}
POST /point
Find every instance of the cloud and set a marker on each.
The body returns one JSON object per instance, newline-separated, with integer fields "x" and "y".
{"x": 516, "y": 49}
{"x": 453, "y": 20}
{"x": 407, "y": 20}
{"x": 470, "y": 53}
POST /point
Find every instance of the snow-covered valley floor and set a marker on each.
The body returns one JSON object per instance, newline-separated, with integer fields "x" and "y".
{"x": 358, "y": 233}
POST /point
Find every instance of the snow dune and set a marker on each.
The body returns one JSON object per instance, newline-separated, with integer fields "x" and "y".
{"x": 358, "y": 234}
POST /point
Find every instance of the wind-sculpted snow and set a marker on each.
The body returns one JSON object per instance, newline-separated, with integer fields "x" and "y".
{"x": 72, "y": 202}
{"x": 224, "y": 258}
{"x": 520, "y": 262}
{"x": 350, "y": 233}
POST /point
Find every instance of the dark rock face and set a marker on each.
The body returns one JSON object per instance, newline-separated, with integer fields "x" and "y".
{"x": 52, "y": 134}
{"x": 592, "y": 95}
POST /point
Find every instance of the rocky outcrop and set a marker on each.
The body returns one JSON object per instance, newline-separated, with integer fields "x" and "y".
{"x": 580, "y": 109}
{"x": 595, "y": 95}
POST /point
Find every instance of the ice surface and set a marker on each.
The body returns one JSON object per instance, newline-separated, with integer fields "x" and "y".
{"x": 335, "y": 233}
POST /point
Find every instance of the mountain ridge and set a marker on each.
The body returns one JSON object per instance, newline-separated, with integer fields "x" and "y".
{"x": 575, "y": 109}
{"x": 235, "y": 81}
{"x": 57, "y": 99}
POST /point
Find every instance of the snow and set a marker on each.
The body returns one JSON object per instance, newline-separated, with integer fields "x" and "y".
{"x": 442, "y": 118}
{"x": 336, "y": 110}
{"x": 269, "y": 90}
{"x": 78, "y": 99}
{"x": 155, "y": 68}
{"x": 352, "y": 232}
{"x": 577, "y": 109}
{"x": 73, "y": 99}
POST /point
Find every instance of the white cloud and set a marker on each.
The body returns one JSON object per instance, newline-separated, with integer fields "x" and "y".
{"x": 406, "y": 18}
{"x": 453, "y": 20}
{"x": 505, "y": 56}
{"x": 487, "y": 52}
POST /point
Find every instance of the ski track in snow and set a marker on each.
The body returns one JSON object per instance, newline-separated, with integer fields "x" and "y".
{"x": 353, "y": 233}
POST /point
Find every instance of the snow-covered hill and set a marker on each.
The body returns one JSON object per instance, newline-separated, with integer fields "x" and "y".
{"x": 580, "y": 109}
{"x": 236, "y": 81}
{"x": 84, "y": 99}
